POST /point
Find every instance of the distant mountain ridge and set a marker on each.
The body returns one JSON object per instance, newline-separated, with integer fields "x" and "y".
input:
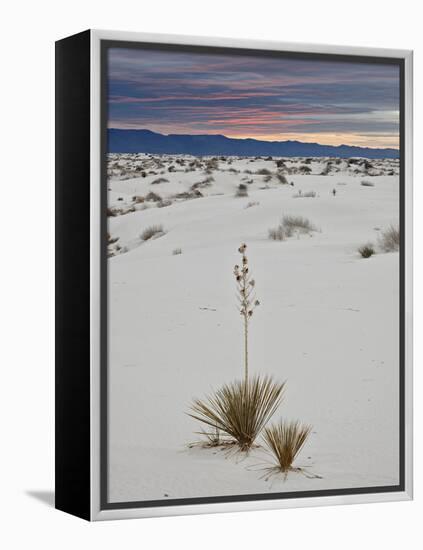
{"x": 146, "y": 141}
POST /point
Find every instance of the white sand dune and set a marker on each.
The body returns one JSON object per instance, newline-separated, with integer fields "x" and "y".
{"x": 328, "y": 325}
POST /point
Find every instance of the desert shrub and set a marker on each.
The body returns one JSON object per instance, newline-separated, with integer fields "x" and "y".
{"x": 281, "y": 178}
{"x": 366, "y": 183}
{"x": 280, "y": 163}
{"x": 193, "y": 194}
{"x": 138, "y": 199}
{"x": 277, "y": 233}
{"x": 366, "y": 250}
{"x": 159, "y": 180}
{"x": 299, "y": 223}
{"x": 284, "y": 441}
{"x": 176, "y": 251}
{"x": 242, "y": 190}
{"x": 389, "y": 239}
{"x": 288, "y": 225}
{"x": 164, "y": 203}
{"x": 241, "y": 409}
{"x": 306, "y": 195}
{"x": 151, "y": 231}
{"x": 153, "y": 197}
{"x": 112, "y": 212}
{"x": 252, "y": 203}
{"x": 304, "y": 169}
{"x": 207, "y": 182}
{"x": 264, "y": 172}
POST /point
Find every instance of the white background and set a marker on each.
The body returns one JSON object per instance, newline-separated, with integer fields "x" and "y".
{"x": 27, "y": 37}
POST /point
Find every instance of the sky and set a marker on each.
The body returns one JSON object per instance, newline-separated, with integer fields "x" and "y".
{"x": 267, "y": 98}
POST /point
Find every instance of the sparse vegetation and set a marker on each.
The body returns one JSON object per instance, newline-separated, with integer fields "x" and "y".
{"x": 163, "y": 203}
{"x": 366, "y": 250}
{"x": 252, "y": 203}
{"x": 153, "y": 197}
{"x": 264, "y": 172}
{"x": 299, "y": 223}
{"x": 159, "y": 180}
{"x": 152, "y": 231}
{"x": 289, "y": 225}
{"x": 176, "y": 251}
{"x": 242, "y": 190}
{"x": 366, "y": 183}
{"x": 306, "y": 195}
{"x": 284, "y": 441}
{"x": 389, "y": 239}
{"x": 281, "y": 178}
{"x": 278, "y": 233}
{"x": 241, "y": 409}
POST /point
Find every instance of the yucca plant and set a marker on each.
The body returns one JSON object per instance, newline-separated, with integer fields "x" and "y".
{"x": 241, "y": 409}
{"x": 284, "y": 441}
{"x": 246, "y": 298}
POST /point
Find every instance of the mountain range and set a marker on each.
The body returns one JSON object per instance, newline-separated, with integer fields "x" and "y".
{"x": 146, "y": 141}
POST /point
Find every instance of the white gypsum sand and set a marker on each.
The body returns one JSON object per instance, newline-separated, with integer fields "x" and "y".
{"x": 328, "y": 323}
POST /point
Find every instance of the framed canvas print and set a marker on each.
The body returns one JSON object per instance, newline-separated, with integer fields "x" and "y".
{"x": 233, "y": 275}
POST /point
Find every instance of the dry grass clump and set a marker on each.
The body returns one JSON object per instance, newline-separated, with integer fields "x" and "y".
{"x": 281, "y": 178}
{"x": 366, "y": 183}
{"x": 240, "y": 409}
{"x": 366, "y": 250}
{"x": 252, "y": 203}
{"x": 284, "y": 441}
{"x": 152, "y": 231}
{"x": 297, "y": 223}
{"x": 278, "y": 234}
{"x": 389, "y": 239}
{"x": 289, "y": 225}
{"x": 242, "y": 190}
{"x": 306, "y": 195}
{"x": 163, "y": 203}
{"x": 264, "y": 172}
{"x": 138, "y": 199}
{"x": 155, "y": 197}
{"x": 177, "y": 251}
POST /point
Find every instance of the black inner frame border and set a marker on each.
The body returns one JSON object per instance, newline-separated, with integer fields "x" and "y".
{"x": 105, "y": 45}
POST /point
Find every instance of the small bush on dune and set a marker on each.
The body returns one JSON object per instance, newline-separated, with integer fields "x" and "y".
{"x": 164, "y": 203}
{"x": 277, "y": 234}
{"x": 366, "y": 250}
{"x": 299, "y": 223}
{"x": 159, "y": 180}
{"x": 390, "y": 239}
{"x": 153, "y": 197}
{"x": 306, "y": 195}
{"x": 138, "y": 199}
{"x": 242, "y": 190}
{"x": 284, "y": 441}
{"x": 252, "y": 203}
{"x": 177, "y": 251}
{"x": 366, "y": 183}
{"x": 288, "y": 225}
{"x": 241, "y": 409}
{"x": 281, "y": 178}
{"x": 151, "y": 231}
{"x": 264, "y": 172}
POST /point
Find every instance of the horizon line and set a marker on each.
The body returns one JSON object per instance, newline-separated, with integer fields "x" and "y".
{"x": 392, "y": 147}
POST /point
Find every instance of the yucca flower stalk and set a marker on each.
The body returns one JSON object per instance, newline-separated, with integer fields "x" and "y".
{"x": 246, "y": 298}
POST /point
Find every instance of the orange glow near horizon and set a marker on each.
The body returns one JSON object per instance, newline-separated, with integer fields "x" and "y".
{"x": 373, "y": 141}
